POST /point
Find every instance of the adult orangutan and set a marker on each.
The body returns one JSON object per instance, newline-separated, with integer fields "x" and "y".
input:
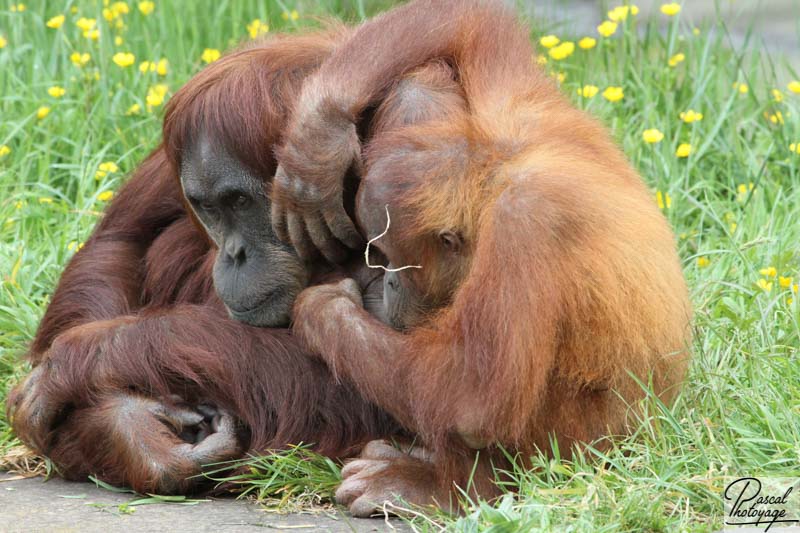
{"x": 140, "y": 376}
{"x": 538, "y": 283}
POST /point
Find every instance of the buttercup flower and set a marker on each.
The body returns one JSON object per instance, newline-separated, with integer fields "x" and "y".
{"x": 123, "y": 59}
{"x": 742, "y": 190}
{"x": 607, "y": 28}
{"x": 620, "y": 13}
{"x": 105, "y": 196}
{"x": 613, "y": 94}
{"x": 55, "y": 22}
{"x": 743, "y": 88}
{"x": 676, "y": 59}
{"x": 691, "y": 116}
{"x": 776, "y": 118}
{"x": 794, "y": 86}
{"x": 549, "y": 41}
{"x": 42, "y": 112}
{"x": 764, "y": 285}
{"x": 4, "y": 150}
{"x": 671, "y": 9}
{"x": 85, "y": 24}
{"x": 684, "y": 150}
{"x": 133, "y": 110}
{"x": 210, "y": 55}
{"x": 257, "y": 28}
{"x": 664, "y": 200}
{"x": 652, "y": 136}
{"x": 155, "y": 95}
{"x": 785, "y": 282}
{"x": 795, "y": 147}
{"x": 703, "y": 262}
{"x": 79, "y": 59}
{"x": 587, "y": 43}
{"x": 541, "y": 60}
{"x": 104, "y": 169}
{"x": 146, "y": 7}
{"x": 588, "y": 91}
{"x": 74, "y": 245}
{"x": 294, "y": 15}
{"x": 3, "y": 42}
{"x": 768, "y": 272}
{"x": 159, "y": 67}
{"x": 18, "y": 8}
{"x": 56, "y": 92}
{"x": 92, "y": 35}
{"x": 562, "y": 51}
{"x": 45, "y": 200}
{"x": 777, "y": 95}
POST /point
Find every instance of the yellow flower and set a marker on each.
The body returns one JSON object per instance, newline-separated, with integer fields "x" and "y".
{"x": 776, "y": 118}
{"x": 257, "y": 28}
{"x": 105, "y": 196}
{"x": 703, "y": 262}
{"x": 133, "y": 110}
{"x": 684, "y": 150}
{"x": 588, "y": 91}
{"x": 676, "y": 59}
{"x": 42, "y": 112}
{"x": 764, "y": 285}
{"x": 691, "y": 116}
{"x": 652, "y": 136}
{"x": 3, "y": 42}
{"x": 146, "y": 7}
{"x": 742, "y": 190}
{"x": 664, "y": 200}
{"x": 562, "y": 51}
{"x": 55, "y": 22}
{"x": 777, "y": 95}
{"x": 74, "y": 245}
{"x": 741, "y": 87}
{"x": 104, "y": 169}
{"x": 587, "y": 43}
{"x": 45, "y": 200}
{"x": 56, "y": 92}
{"x": 19, "y": 204}
{"x": 118, "y": 40}
{"x": 86, "y": 24}
{"x": 294, "y": 15}
{"x": 613, "y": 94}
{"x": 18, "y": 8}
{"x": 549, "y": 41}
{"x": 155, "y": 95}
{"x": 607, "y": 28}
{"x": 671, "y": 9}
{"x": 161, "y": 67}
{"x": 794, "y": 86}
{"x": 4, "y": 150}
{"x": 73, "y": 10}
{"x": 795, "y": 288}
{"x": 785, "y": 282}
{"x": 79, "y": 59}
{"x": 620, "y": 13}
{"x": 92, "y": 35}
{"x": 123, "y": 59}
{"x": 769, "y": 272}
{"x": 795, "y": 147}
{"x": 210, "y": 55}
{"x": 541, "y": 60}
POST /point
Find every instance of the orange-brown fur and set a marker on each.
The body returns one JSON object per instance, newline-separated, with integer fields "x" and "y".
{"x": 568, "y": 282}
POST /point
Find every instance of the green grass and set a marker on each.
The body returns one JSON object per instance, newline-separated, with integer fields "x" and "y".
{"x": 739, "y": 409}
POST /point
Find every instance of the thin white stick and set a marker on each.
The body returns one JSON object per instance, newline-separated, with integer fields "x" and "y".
{"x": 366, "y": 252}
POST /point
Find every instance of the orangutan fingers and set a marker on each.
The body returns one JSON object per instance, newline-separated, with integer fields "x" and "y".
{"x": 342, "y": 227}
{"x": 299, "y": 238}
{"x": 330, "y": 248}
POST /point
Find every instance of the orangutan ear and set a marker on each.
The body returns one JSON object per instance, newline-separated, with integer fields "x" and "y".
{"x": 451, "y": 241}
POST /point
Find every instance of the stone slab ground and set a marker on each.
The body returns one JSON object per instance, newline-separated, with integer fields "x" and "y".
{"x": 57, "y": 506}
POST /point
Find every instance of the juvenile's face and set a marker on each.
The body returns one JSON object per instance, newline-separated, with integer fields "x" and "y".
{"x": 256, "y": 276}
